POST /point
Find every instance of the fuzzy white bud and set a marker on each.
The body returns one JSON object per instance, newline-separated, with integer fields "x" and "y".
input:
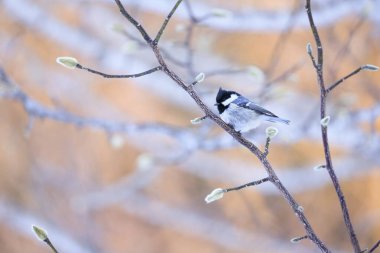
{"x": 309, "y": 49}
{"x": 68, "y": 62}
{"x": 197, "y": 121}
{"x": 325, "y": 121}
{"x": 200, "y": 77}
{"x": 300, "y": 208}
{"x": 369, "y": 67}
{"x": 215, "y": 195}
{"x": 40, "y": 233}
{"x": 271, "y": 132}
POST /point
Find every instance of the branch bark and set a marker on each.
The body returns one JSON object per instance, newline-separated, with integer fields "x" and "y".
{"x": 323, "y": 96}
{"x": 298, "y": 210}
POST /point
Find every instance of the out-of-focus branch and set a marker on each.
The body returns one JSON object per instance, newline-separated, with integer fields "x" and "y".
{"x": 36, "y": 110}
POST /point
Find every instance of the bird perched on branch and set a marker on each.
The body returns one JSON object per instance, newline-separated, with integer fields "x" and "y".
{"x": 241, "y": 113}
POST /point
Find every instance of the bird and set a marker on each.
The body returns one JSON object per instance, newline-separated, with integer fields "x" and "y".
{"x": 241, "y": 113}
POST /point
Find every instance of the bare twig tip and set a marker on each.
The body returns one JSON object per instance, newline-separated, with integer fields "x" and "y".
{"x": 297, "y": 239}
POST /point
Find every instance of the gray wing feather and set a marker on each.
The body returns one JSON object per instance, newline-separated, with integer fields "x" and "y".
{"x": 244, "y": 102}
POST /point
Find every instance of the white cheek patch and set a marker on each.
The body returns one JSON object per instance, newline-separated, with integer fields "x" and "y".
{"x": 230, "y": 100}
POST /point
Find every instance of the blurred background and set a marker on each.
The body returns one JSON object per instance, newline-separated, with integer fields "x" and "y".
{"x": 114, "y": 165}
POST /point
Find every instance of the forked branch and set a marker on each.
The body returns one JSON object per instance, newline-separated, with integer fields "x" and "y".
{"x": 237, "y": 136}
{"x": 326, "y": 146}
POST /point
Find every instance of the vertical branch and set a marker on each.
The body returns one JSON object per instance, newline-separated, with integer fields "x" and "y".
{"x": 329, "y": 164}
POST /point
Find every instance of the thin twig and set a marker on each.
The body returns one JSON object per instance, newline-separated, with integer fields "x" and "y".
{"x": 190, "y": 11}
{"x": 267, "y": 146}
{"x": 297, "y": 239}
{"x": 345, "y": 49}
{"x": 159, "y": 34}
{"x": 310, "y": 53}
{"x": 374, "y": 247}
{"x": 334, "y": 85}
{"x": 147, "y": 72}
{"x": 257, "y": 182}
{"x": 136, "y": 24}
{"x": 282, "y": 39}
{"x": 50, "y": 244}
{"x": 329, "y": 164}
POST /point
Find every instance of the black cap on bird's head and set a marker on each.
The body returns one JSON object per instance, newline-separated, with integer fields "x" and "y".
{"x": 223, "y": 95}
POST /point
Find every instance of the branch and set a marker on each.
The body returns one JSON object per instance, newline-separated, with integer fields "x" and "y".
{"x": 310, "y": 53}
{"x": 329, "y": 164}
{"x": 374, "y": 247}
{"x": 334, "y": 85}
{"x": 119, "y": 76}
{"x": 267, "y": 146}
{"x": 250, "y": 146}
{"x": 257, "y": 182}
{"x": 134, "y": 22}
{"x": 237, "y": 136}
{"x": 50, "y": 244}
{"x": 356, "y": 71}
{"x": 316, "y": 36}
{"x": 159, "y": 34}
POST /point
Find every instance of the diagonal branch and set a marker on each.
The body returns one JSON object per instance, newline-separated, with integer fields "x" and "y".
{"x": 138, "y": 26}
{"x": 273, "y": 178}
{"x": 250, "y": 146}
{"x": 119, "y": 76}
{"x": 257, "y": 182}
{"x": 159, "y": 34}
{"x": 356, "y": 71}
{"x": 238, "y": 137}
{"x": 374, "y": 247}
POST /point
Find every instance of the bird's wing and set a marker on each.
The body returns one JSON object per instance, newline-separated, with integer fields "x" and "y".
{"x": 244, "y": 102}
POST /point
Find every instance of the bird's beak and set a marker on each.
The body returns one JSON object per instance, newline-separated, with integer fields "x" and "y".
{"x": 216, "y": 104}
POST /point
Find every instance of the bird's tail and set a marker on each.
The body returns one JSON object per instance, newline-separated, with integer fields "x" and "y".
{"x": 277, "y": 119}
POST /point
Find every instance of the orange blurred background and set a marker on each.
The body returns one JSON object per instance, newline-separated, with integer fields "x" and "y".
{"x": 141, "y": 188}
